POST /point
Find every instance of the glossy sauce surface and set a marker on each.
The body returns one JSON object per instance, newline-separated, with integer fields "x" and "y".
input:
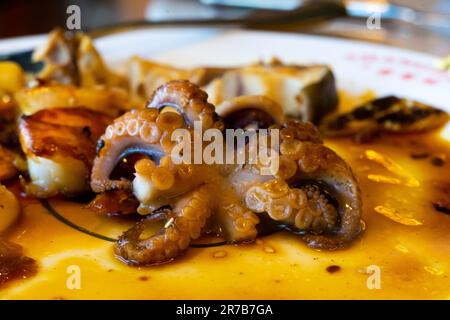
{"x": 406, "y": 238}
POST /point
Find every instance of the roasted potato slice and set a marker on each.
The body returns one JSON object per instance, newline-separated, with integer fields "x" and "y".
{"x": 12, "y": 77}
{"x": 100, "y": 99}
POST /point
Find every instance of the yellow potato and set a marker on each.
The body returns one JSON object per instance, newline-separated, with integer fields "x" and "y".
{"x": 12, "y": 77}
{"x": 9, "y": 208}
{"x": 104, "y": 100}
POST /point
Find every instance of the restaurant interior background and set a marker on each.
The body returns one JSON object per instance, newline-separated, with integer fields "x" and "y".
{"x": 21, "y": 17}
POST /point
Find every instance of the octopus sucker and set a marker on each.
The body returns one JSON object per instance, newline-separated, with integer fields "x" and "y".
{"x": 238, "y": 224}
{"x": 319, "y": 213}
{"x": 148, "y": 131}
{"x": 187, "y": 99}
{"x": 184, "y": 223}
{"x": 313, "y": 194}
{"x": 322, "y": 165}
{"x": 296, "y": 196}
{"x": 134, "y": 132}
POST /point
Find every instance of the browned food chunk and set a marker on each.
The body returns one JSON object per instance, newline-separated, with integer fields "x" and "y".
{"x": 114, "y": 202}
{"x": 13, "y": 264}
{"x": 60, "y": 147}
{"x": 387, "y": 114}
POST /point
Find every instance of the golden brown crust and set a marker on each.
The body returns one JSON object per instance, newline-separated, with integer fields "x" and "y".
{"x": 13, "y": 264}
{"x": 114, "y": 202}
{"x": 62, "y": 131}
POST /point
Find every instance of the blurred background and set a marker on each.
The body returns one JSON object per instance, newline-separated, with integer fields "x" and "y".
{"x": 419, "y": 25}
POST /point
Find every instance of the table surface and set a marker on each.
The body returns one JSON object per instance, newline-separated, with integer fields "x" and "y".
{"x": 18, "y": 18}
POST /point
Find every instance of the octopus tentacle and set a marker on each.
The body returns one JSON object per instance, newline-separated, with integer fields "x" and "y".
{"x": 149, "y": 131}
{"x": 237, "y": 223}
{"x": 298, "y": 194}
{"x": 185, "y": 223}
{"x": 320, "y": 213}
{"x": 322, "y": 165}
{"x": 314, "y": 192}
{"x": 138, "y": 131}
{"x": 187, "y": 99}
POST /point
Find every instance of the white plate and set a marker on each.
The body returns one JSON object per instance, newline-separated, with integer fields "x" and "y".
{"x": 357, "y": 65}
{"x": 297, "y": 271}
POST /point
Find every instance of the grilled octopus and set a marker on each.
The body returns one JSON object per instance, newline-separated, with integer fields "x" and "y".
{"x": 314, "y": 193}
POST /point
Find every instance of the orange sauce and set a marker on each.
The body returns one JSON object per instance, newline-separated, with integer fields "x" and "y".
{"x": 406, "y": 238}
